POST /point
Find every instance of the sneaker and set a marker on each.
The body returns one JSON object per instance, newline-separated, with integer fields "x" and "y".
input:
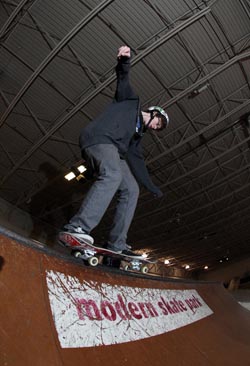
{"x": 128, "y": 247}
{"x": 80, "y": 233}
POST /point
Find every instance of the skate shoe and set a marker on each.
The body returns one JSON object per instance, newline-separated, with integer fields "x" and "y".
{"x": 81, "y": 234}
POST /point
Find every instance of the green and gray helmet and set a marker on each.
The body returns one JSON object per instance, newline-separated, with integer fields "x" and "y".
{"x": 160, "y": 111}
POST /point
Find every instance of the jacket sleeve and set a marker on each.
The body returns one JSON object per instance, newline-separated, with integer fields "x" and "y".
{"x": 138, "y": 167}
{"x": 123, "y": 88}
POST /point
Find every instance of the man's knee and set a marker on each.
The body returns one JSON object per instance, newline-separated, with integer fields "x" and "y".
{"x": 110, "y": 170}
{"x": 134, "y": 190}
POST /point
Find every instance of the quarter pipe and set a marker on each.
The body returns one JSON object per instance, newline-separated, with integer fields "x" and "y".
{"x": 56, "y": 311}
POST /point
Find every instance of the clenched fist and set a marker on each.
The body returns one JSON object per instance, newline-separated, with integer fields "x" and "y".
{"x": 123, "y": 51}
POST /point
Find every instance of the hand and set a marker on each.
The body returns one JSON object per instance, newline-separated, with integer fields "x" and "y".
{"x": 123, "y": 51}
{"x": 158, "y": 194}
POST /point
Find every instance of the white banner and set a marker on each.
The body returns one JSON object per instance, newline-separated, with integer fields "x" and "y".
{"x": 92, "y": 314}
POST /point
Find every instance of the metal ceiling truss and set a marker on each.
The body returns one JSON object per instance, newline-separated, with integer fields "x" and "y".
{"x": 215, "y": 182}
{"x": 39, "y": 126}
{"x": 176, "y": 236}
{"x": 14, "y": 19}
{"x": 246, "y": 6}
{"x": 220, "y": 242}
{"x": 185, "y": 137}
{"x": 212, "y": 248}
{"x": 198, "y": 204}
{"x": 110, "y": 79}
{"x": 92, "y": 94}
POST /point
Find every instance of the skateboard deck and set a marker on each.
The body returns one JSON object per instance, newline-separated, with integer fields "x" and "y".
{"x": 91, "y": 254}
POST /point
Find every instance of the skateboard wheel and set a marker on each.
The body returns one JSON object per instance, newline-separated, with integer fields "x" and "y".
{"x": 144, "y": 269}
{"x": 77, "y": 254}
{"x": 126, "y": 268}
{"x": 93, "y": 261}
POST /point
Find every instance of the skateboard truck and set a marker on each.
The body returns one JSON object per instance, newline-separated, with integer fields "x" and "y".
{"x": 87, "y": 255}
{"x": 136, "y": 265}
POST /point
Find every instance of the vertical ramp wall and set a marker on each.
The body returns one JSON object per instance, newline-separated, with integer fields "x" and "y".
{"x": 56, "y": 311}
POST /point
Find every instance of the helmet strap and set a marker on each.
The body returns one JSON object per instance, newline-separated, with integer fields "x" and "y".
{"x": 151, "y": 118}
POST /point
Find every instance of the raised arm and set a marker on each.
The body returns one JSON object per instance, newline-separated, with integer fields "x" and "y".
{"x": 123, "y": 88}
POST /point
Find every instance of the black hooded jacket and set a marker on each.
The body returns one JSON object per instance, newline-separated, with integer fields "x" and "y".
{"x": 117, "y": 125}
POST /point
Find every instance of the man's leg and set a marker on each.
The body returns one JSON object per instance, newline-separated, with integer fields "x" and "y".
{"x": 128, "y": 193}
{"x": 105, "y": 161}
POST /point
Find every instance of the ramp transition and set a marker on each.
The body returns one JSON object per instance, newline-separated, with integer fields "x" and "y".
{"x": 56, "y": 311}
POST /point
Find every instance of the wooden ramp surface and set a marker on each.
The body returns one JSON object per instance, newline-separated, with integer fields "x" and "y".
{"x": 55, "y": 311}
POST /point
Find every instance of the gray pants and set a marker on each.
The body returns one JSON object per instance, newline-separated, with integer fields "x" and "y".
{"x": 113, "y": 176}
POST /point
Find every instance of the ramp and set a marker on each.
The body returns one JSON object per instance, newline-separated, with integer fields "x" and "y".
{"x": 56, "y": 311}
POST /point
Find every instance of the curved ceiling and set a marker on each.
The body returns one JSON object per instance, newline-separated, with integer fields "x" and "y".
{"x": 57, "y": 62}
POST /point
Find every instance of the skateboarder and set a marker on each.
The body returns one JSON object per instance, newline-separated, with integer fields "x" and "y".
{"x": 111, "y": 147}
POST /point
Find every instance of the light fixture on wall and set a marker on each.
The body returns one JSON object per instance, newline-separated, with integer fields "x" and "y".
{"x": 76, "y": 173}
{"x": 197, "y": 91}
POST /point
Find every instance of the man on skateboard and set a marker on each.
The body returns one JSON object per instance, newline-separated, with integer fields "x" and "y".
{"x": 111, "y": 147}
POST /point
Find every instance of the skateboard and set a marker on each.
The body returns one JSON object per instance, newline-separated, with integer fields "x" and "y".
{"x": 90, "y": 254}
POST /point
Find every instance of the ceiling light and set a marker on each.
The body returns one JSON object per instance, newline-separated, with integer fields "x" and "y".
{"x": 206, "y": 267}
{"x": 187, "y": 266}
{"x": 81, "y": 168}
{"x": 197, "y": 91}
{"x": 76, "y": 173}
{"x": 70, "y": 176}
{"x": 202, "y": 88}
{"x": 166, "y": 261}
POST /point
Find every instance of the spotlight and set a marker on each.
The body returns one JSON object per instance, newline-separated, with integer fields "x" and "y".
{"x": 70, "y": 176}
{"x": 76, "y": 173}
{"x": 81, "y": 169}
